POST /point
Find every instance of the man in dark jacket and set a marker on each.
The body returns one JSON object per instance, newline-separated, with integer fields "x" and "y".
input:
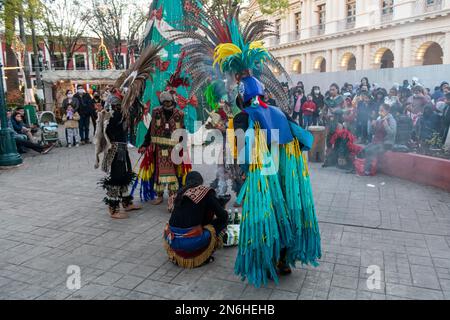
{"x": 85, "y": 110}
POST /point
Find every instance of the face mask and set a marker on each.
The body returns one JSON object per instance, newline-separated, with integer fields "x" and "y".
{"x": 316, "y": 91}
{"x": 80, "y": 91}
{"x": 70, "y": 96}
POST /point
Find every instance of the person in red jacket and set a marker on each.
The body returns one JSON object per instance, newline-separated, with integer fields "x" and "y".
{"x": 308, "y": 109}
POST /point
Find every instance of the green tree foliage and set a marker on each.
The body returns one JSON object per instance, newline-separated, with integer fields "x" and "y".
{"x": 266, "y": 6}
{"x": 270, "y": 6}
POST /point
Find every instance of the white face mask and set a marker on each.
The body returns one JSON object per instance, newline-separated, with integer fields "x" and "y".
{"x": 80, "y": 91}
{"x": 70, "y": 96}
{"x": 316, "y": 91}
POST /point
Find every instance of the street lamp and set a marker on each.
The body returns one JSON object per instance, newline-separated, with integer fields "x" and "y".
{"x": 8, "y": 150}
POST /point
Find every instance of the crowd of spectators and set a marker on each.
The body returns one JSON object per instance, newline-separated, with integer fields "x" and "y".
{"x": 422, "y": 114}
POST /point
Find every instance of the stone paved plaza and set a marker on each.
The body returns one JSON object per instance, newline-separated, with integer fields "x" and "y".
{"x": 52, "y": 216}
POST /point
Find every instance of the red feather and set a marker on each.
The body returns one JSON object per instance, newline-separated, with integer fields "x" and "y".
{"x": 176, "y": 80}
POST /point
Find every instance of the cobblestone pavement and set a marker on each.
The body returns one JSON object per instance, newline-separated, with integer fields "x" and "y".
{"x": 52, "y": 216}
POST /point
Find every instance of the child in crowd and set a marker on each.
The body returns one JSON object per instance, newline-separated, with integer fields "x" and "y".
{"x": 71, "y": 119}
{"x": 349, "y": 115}
{"x": 308, "y": 110}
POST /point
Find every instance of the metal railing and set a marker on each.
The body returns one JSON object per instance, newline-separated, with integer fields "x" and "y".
{"x": 294, "y": 36}
{"x": 318, "y": 30}
{"x": 272, "y": 41}
{"x": 425, "y": 6}
{"x": 346, "y": 24}
{"x": 386, "y": 15}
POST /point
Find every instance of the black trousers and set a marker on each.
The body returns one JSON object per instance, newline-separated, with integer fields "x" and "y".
{"x": 28, "y": 144}
{"x": 94, "y": 121}
{"x": 84, "y": 127}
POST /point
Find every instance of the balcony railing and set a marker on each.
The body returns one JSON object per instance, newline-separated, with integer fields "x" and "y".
{"x": 272, "y": 41}
{"x": 318, "y": 30}
{"x": 386, "y": 15}
{"x": 425, "y": 6}
{"x": 294, "y": 36}
{"x": 346, "y": 24}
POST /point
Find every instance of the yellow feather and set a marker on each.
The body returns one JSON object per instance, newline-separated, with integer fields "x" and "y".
{"x": 223, "y": 51}
{"x": 257, "y": 45}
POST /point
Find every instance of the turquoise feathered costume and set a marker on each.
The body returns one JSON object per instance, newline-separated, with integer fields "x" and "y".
{"x": 278, "y": 212}
{"x": 277, "y": 204}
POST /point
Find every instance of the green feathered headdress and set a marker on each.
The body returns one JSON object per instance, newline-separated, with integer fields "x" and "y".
{"x": 214, "y": 93}
{"x": 238, "y": 56}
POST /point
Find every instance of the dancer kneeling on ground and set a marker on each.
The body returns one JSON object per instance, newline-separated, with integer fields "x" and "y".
{"x": 196, "y": 225}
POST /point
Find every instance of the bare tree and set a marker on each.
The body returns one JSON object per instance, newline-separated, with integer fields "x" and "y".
{"x": 63, "y": 25}
{"x": 115, "y": 21}
{"x": 9, "y": 12}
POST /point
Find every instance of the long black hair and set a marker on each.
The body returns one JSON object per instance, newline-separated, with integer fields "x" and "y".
{"x": 193, "y": 179}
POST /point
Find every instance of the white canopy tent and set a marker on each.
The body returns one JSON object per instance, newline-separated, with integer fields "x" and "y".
{"x": 56, "y": 82}
{"x": 81, "y": 76}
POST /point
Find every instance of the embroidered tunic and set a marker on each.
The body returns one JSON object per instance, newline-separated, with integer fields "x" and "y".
{"x": 159, "y": 138}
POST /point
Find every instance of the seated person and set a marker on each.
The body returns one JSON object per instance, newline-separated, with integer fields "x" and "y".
{"x": 196, "y": 225}
{"x": 385, "y": 131}
{"x": 428, "y": 125}
{"x": 30, "y": 126}
{"x": 22, "y": 140}
{"x": 19, "y": 125}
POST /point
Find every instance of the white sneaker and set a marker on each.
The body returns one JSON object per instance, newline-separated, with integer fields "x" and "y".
{"x": 70, "y": 146}
{"x": 77, "y": 145}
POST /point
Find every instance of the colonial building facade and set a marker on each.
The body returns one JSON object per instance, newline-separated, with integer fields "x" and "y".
{"x": 338, "y": 35}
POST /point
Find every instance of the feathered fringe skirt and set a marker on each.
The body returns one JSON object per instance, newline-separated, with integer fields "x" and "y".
{"x": 190, "y": 247}
{"x": 277, "y": 212}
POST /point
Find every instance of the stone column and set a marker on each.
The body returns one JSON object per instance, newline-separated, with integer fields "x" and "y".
{"x": 367, "y": 64}
{"x": 306, "y": 19}
{"x": 90, "y": 60}
{"x": 407, "y": 54}
{"x": 329, "y": 59}
{"x": 446, "y": 58}
{"x": 335, "y": 63}
{"x": 330, "y": 17}
{"x": 303, "y": 63}
{"x": 284, "y": 30}
{"x": 362, "y": 14}
{"x": 398, "y": 53}
{"x": 374, "y": 14}
{"x": 308, "y": 63}
{"x": 359, "y": 57}
{"x": 404, "y": 9}
{"x": 445, "y": 5}
{"x": 287, "y": 64}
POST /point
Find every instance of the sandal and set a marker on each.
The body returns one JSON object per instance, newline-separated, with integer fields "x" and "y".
{"x": 116, "y": 214}
{"x": 157, "y": 201}
{"x": 132, "y": 207}
{"x": 119, "y": 215}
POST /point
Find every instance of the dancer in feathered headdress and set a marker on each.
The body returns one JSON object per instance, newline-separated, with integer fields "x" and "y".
{"x": 158, "y": 171}
{"x": 111, "y": 135}
{"x": 279, "y": 224}
{"x": 207, "y": 31}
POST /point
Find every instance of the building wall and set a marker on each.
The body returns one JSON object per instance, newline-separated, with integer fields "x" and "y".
{"x": 411, "y": 28}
